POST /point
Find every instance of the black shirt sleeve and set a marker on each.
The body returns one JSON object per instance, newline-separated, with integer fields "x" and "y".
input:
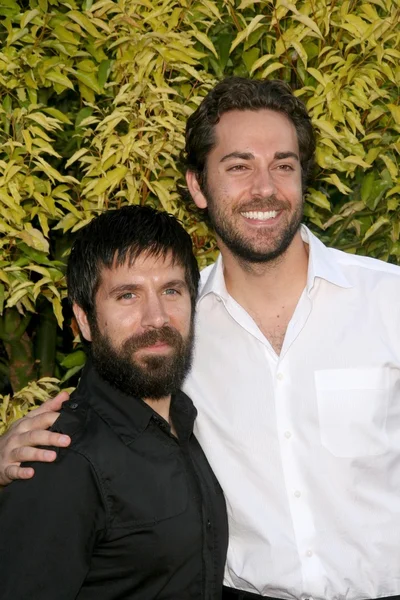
{"x": 48, "y": 528}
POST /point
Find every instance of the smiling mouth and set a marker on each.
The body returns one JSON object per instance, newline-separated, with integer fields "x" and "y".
{"x": 258, "y": 215}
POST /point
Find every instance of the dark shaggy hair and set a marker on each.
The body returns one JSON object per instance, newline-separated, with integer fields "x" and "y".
{"x": 118, "y": 236}
{"x": 239, "y": 93}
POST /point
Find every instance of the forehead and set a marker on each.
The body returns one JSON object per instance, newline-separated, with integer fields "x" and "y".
{"x": 242, "y": 128}
{"x": 145, "y": 268}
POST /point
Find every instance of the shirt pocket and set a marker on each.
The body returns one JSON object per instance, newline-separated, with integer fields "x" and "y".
{"x": 352, "y": 409}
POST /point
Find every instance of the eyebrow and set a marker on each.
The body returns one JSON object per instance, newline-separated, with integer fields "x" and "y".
{"x": 132, "y": 287}
{"x": 250, "y": 156}
{"x": 126, "y": 287}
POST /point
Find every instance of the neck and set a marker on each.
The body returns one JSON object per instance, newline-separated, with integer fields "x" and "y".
{"x": 160, "y": 406}
{"x": 270, "y": 282}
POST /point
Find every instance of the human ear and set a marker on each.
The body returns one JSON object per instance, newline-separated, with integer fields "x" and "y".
{"x": 195, "y": 190}
{"x": 82, "y": 321}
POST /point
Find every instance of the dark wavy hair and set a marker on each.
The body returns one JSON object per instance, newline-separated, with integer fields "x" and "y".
{"x": 118, "y": 236}
{"x": 240, "y": 93}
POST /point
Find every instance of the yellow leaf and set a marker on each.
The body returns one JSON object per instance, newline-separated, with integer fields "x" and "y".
{"x": 327, "y": 128}
{"x": 374, "y": 228}
{"x": 203, "y": 39}
{"x": 78, "y": 154}
{"x": 395, "y": 110}
{"x": 308, "y": 23}
{"x": 57, "y": 77}
{"x": 393, "y": 190}
{"x": 260, "y": 62}
{"x": 57, "y": 309}
{"x": 33, "y": 238}
{"x": 84, "y": 22}
{"x": 271, "y": 68}
{"x": 38, "y": 285}
{"x": 27, "y": 140}
{"x": 334, "y": 180}
{"x": 110, "y": 180}
{"x": 43, "y": 223}
{"x": 391, "y": 167}
{"x": 318, "y": 76}
{"x": 318, "y": 198}
{"x": 356, "y": 160}
{"x": 28, "y": 17}
{"x": 67, "y": 222}
{"x": 15, "y": 298}
{"x": 243, "y": 35}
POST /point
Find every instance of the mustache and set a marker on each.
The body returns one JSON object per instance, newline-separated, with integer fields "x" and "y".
{"x": 263, "y": 204}
{"x": 165, "y": 334}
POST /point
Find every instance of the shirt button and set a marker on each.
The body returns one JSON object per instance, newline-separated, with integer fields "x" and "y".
{"x": 280, "y": 376}
{"x": 297, "y": 494}
{"x": 219, "y": 299}
{"x": 74, "y": 405}
{"x": 208, "y": 524}
{"x": 309, "y": 552}
{"x": 288, "y": 434}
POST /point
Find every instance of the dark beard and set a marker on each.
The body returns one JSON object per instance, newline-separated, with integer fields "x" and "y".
{"x": 238, "y": 244}
{"x": 157, "y": 376}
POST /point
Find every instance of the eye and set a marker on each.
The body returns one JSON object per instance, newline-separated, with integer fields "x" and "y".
{"x": 171, "y": 292}
{"x": 285, "y": 167}
{"x": 127, "y": 296}
{"x": 237, "y": 168}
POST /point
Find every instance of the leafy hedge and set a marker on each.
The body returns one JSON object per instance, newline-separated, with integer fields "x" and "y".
{"x": 93, "y": 103}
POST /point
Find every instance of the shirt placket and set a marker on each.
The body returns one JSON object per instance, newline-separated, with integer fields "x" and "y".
{"x": 288, "y": 432}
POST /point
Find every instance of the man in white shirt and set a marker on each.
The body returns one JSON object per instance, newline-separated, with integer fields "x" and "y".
{"x": 296, "y": 370}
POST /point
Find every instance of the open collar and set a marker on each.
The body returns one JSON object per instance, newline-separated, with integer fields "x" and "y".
{"x": 322, "y": 263}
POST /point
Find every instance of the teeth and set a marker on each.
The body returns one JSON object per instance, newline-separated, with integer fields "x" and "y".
{"x": 260, "y": 216}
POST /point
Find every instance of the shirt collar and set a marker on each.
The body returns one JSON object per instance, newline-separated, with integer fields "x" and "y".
{"x": 322, "y": 263}
{"x": 128, "y": 416}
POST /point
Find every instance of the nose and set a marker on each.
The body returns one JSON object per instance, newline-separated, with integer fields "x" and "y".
{"x": 263, "y": 184}
{"x": 154, "y": 313}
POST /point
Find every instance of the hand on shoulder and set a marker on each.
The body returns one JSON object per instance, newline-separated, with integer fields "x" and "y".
{"x": 19, "y": 443}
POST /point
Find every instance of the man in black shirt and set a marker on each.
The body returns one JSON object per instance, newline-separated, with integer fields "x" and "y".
{"x": 131, "y": 509}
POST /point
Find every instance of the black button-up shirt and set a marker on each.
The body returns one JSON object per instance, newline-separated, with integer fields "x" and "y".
{"x": 128, "y": 511}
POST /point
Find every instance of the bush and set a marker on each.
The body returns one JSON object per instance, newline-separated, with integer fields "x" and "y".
{"x": 94, "y": 100}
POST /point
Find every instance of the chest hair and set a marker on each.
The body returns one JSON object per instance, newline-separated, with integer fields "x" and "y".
{"x": 274, "y": 325}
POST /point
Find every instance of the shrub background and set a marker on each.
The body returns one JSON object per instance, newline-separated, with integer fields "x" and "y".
{"x": 94, "y": 97}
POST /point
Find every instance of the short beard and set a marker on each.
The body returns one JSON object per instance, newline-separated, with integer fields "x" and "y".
{"x": 243, "y": 248}
{"x": 157, "y": 377}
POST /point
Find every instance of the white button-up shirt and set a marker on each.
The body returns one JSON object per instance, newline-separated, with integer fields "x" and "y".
{"x": 306, "y": 445}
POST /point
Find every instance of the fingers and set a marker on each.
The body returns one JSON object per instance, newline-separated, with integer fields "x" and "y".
{"x": 50, "y": 405}
{"x": 15, "y": 472}
{"x": 18, "y": 445}
{"x": 24, "y": 449}
{"x": 35, "y": 421}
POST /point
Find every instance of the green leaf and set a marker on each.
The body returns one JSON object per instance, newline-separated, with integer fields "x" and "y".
{"x": 89, "y": 80}
{"x": 75, "y": 359}
{"x": 250, "y": 57}
{"x": 380, "y": 222}
{"x": 57, "y": 114}
{"x": 205, "y": 41}
{"x": 84, "y": 22}
{"x": 103, "y": 71}
{"x": 318, "y": 198}
{"x": 367, "y": 185}
{"x": 242, "y": 35}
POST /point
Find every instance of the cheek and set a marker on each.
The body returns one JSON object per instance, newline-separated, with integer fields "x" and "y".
{"x": 117, "y": 321}
{"x": 180, "y": 318}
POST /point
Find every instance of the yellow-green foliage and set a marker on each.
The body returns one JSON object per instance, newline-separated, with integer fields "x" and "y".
{"x": 25, "y": 400}
{"x": 94, "y": 99}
